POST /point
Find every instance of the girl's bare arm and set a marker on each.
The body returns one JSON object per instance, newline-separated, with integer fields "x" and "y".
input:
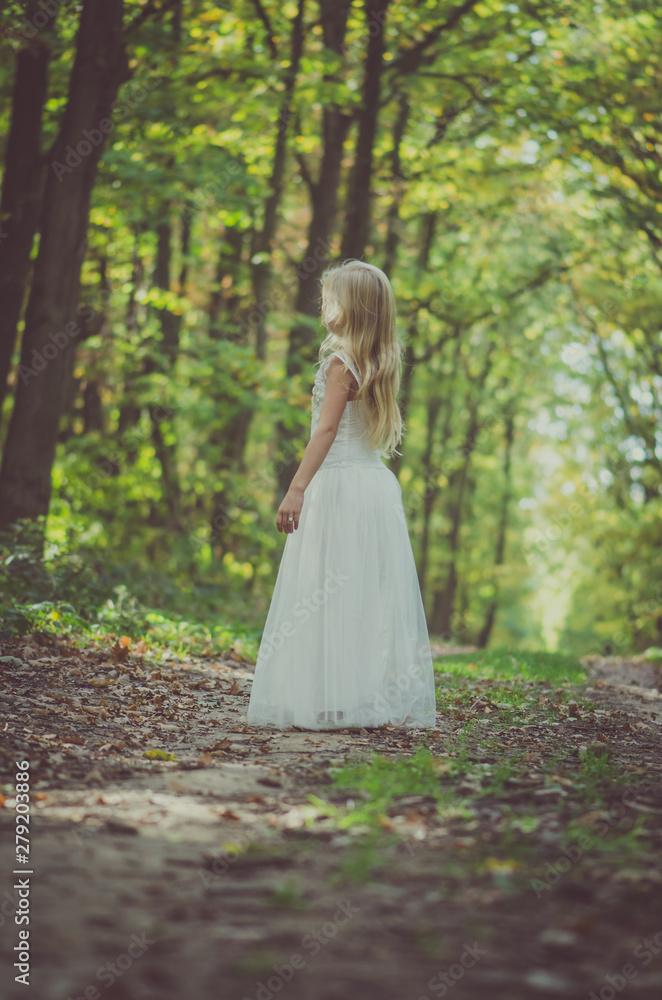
{"x": 335, "y": 397}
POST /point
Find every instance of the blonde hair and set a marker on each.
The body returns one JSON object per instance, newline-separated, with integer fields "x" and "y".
{"x": 360, "y": 315}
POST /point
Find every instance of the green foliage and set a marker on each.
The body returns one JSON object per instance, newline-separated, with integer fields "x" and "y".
{"x": 287, "y": 896}
{"x": 477, "y": 796}
{"x": 535, "y": 665}
{"x": 68, "y": 592}
{"x": 530, "y": 156}
{"x": 62, "y": 583}
{"x": 383, "y": 779}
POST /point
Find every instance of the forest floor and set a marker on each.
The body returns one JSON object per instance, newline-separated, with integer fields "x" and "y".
{"x": 513, "y": 852}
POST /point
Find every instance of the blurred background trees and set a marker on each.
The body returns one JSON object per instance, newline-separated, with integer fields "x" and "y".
{"x": 176, "y": 177}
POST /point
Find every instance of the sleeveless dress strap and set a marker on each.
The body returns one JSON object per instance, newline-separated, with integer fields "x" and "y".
{"x": 350, "y": 364}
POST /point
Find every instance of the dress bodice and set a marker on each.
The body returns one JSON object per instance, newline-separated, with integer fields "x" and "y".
{"x": 350, "y": 446}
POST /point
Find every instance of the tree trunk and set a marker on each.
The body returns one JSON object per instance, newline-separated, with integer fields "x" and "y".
{"x": 93, "y": 328}
{"x": 166, "y": 453}
{"x": 227, "y": 265}
{"x": 427, "y": 238}
{"x": 22, "y": 189}
{"x": 52, "y": 321}
{"x": 129, "y": 415}
{"x": 228, "y": 437}
{"x": 324, "y": 200}
{"x": 357, "y": 216}
{"x": 186, "y": 219}
{"x": 434, "y": 406}
{"x": 232, "y": 443}
{"x": 408, "y": 366}
{"x": 431, "y": 491}
{"x": 484, "y": 635}
{"x": 92, "y": 408}
{"x": 263, "y": 239}
{"x": 170, "y": 323}
{"x": 398, "y": 181}
{"x": 444, "y": 599}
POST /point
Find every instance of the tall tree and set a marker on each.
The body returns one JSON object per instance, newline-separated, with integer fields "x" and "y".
{"x": 52, "y": 321}
{"x": 324, "y": 202}
{"x": 263, "y": 236}
{"x": 357, "y": 215}
{"x": 22, "y": 188}
{"x": 460, "y": 489}
{"x": 500, "y": 548}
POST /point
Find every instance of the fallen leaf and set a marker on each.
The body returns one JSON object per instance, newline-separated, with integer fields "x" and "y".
{"x": 120, "y": 826}
{"x": 121, "y": 649}
{"x": 228, "y": 814}
{"x": 223, "y": 744}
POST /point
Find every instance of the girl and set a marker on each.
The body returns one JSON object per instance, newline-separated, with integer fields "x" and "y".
{"x": 345, "y": 643}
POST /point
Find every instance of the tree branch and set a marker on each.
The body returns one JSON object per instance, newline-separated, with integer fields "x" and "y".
{"x": 151, "y": 7}
{"x": 409, "y": 60}
{"x": 311, "y": 184}
{"x": 264, "y": 17}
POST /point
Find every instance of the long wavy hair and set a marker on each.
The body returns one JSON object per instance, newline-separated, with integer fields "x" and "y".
{"x": 360, "y": 316}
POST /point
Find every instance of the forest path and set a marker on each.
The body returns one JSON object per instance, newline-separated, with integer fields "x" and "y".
{"x": 214, "y": 875}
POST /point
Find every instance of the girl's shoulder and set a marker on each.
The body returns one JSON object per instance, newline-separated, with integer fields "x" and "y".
{"x": 345, "y": 358}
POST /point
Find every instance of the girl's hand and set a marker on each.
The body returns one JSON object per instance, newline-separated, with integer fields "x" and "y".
{"x": 290, "y": 508}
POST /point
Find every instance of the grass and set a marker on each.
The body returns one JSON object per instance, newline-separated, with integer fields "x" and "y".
{"x": 508, "y": 847}
{"x": 534, "y": 665}
{"x": 509, "y": 689}
{"x": 383, "y": 779}
{"x": 257, "y": 962}
{"x": 595, "y": 774}
{"x": 489, "y": 807}
{"x": 287, "y": 896}
{"x": 362, "y": 861}
{"x": 375, "y": 787}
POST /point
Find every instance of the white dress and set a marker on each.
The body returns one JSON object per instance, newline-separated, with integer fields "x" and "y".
{"x": 345, "y": 642}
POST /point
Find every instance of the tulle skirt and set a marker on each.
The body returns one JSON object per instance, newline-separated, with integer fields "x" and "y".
{"x": 345, "y": 642}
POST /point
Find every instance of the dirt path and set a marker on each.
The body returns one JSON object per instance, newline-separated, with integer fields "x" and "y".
{"x": 213, "y": 876}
